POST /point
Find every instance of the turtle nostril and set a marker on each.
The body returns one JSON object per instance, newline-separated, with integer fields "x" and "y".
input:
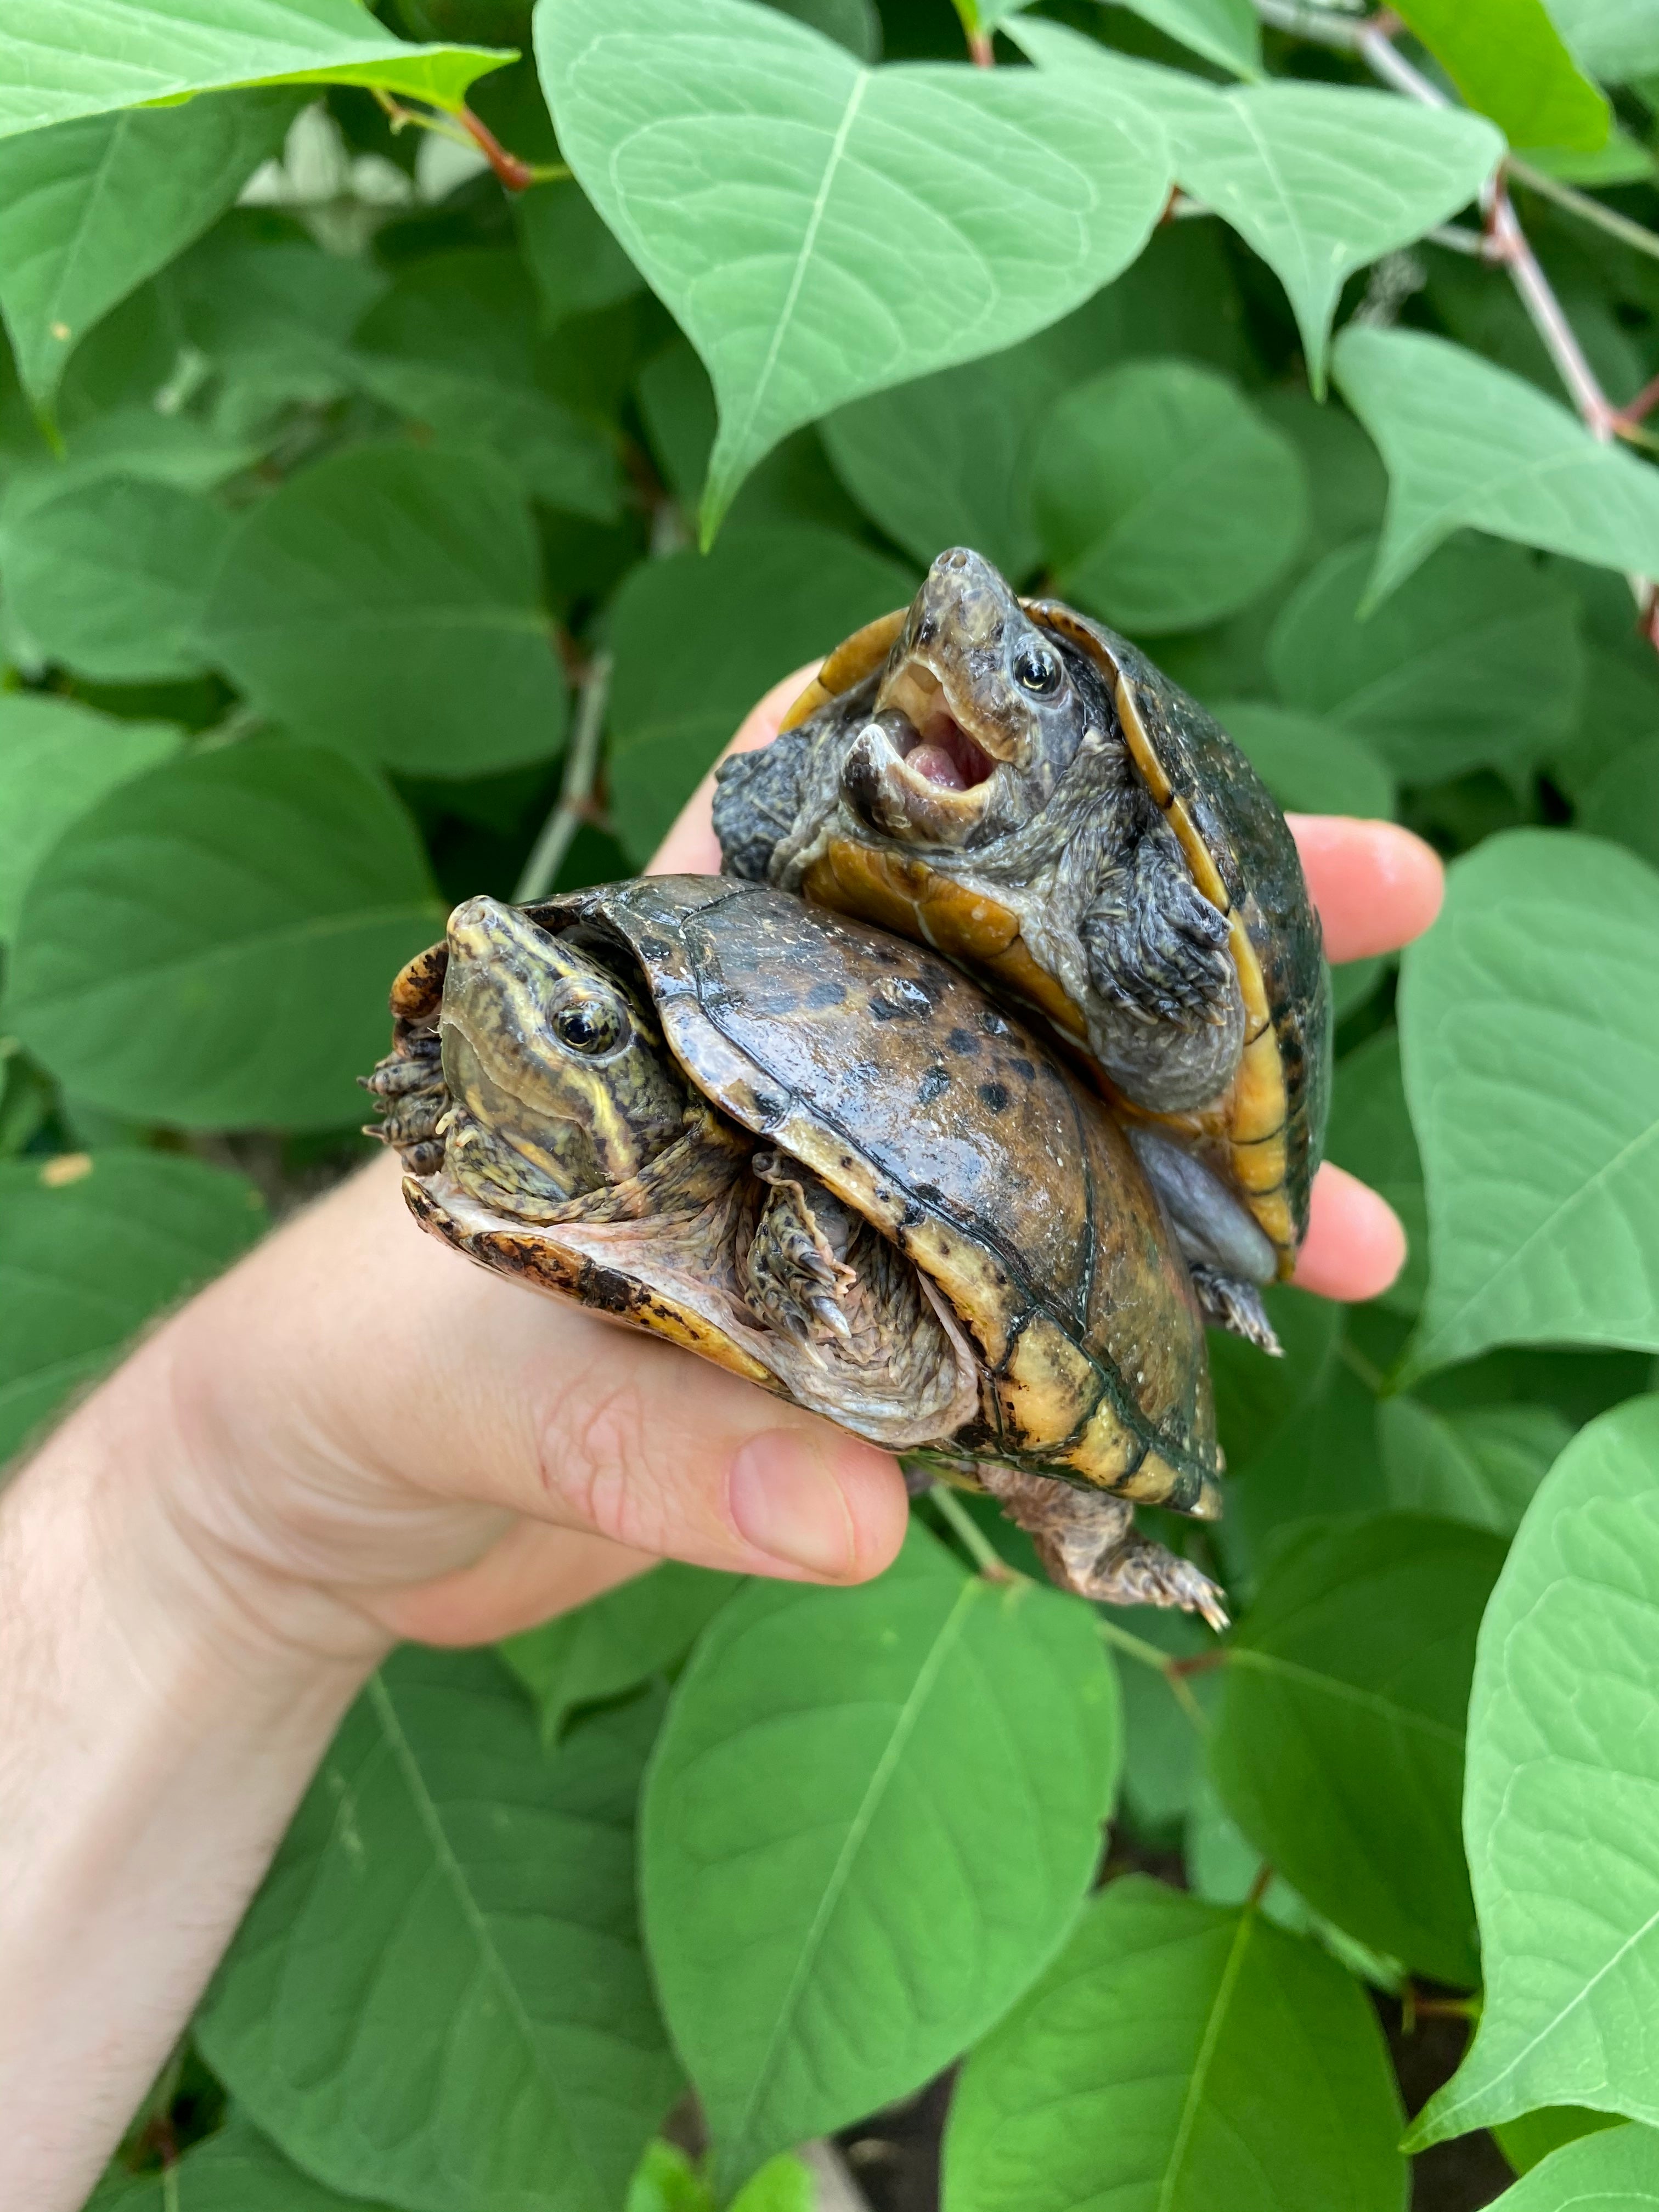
{"x": 927, "y": 630}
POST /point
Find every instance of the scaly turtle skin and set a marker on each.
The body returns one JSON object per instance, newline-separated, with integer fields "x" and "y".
{"x": 824, "y": 1159}
{"x": 1016, "y": 785}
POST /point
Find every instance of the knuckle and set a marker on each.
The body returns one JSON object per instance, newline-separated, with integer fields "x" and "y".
{"x": 595, "y": 1447}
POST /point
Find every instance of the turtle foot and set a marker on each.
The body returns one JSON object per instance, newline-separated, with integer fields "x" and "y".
{"x": 1088, "y": 1541}
{"x": 1233, "y": 1303}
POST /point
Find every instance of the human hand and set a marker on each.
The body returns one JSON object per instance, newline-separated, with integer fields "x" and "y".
{"x": 1375, "y": 887}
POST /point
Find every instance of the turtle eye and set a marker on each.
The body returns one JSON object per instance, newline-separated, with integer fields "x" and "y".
{"x": 1037, "y": 670}
{"x": 590, "y": 1026}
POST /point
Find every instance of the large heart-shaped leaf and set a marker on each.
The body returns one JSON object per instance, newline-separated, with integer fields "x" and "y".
{"x": 1482, "y": 1464}
{"x": 90, "y": 1247}
{"x": 1467, "y": 444}
{"x": 820, "y": 229}
{"x": 616, "y": 1642}
{"x": 91, "y": 207}
{"x": 387, "y": 601}
{"x": 1476, "y": 661}
{"x": 1616, "y": 2170}
{"x": 895, "y": 1793}
{"x": 1371, "y": 1135}
{"x": 212, "y": 943}
{"x": 57, "y": 760}
{"x": 1319, "y": 180}
{"x": 1561, "y": 1814}
{"x": 1163, "y": 501}
{"x": 438, "y": 1994}
{"x": 1529, "y": 1031}
{"x": 63, "y": 57}
{"x": 1339, "y": 1746}
{"x": 1179, "y": 2057}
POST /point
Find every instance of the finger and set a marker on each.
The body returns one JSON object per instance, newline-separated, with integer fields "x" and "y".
{"x": 445, "y": 1385}
{"x": 1376, "y": 886}
{"x": 690, "y": 849}
{"x": 1355, "y": 1246}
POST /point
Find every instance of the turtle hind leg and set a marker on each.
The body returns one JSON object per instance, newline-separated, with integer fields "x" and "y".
{"x": 1088, "y": 1541}
{"x": 1226, "y": 1251}
{"x": 794, "y": 1273}
{"x": 1232, "y": 1304}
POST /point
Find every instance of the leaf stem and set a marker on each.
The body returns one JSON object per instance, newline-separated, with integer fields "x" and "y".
{"x": 1148, "y": 1654}
{"x": 972, "y": 1537}
{"x": 575, "y": 800}
{"x": 469, "y": 129}
{"x": 1618, "y": 226}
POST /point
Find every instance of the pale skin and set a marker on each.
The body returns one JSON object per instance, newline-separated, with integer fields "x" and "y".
{"x": 351, "y": 1438}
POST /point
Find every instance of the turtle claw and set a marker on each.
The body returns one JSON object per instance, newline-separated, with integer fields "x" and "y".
{"x": 1236, "y": 1306}
{"x": 1088, "y": 1541}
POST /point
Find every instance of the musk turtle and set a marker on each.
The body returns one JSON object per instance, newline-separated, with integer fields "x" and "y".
{"x": 1018, "y": 787}
{"x": 827, "y": 1159}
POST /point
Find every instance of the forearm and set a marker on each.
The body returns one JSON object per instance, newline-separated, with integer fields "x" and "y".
{"x": 158, "y": 1729}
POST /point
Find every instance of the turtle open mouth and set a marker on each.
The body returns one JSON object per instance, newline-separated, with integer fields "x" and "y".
{"x": 913, "y": 770}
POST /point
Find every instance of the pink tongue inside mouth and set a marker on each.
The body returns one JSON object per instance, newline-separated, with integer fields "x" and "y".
{"x": 948, "y": 757}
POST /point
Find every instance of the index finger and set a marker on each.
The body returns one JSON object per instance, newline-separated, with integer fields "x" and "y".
{"x": 691, "y": 849}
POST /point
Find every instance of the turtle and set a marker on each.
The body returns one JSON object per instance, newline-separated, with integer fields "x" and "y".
{"x": 829, "y": 1161}
{"x": 1016, "y": 785}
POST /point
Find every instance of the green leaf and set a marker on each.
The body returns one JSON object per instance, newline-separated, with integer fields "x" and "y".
{"x": 1623, "y": 802}
{"x": 56, "y": 760}
{"x": 616, "y": 1642}
{"x": 439, "y": 1993}
{"x": 211, "y": 943}
{"x": 1611, "y": 2172}
{"x": 90, "y": 1247}
{"x": 453, "y": 344}
{"x": 1613, "y": 39}
{"x": 88, "y": 210}
{"x": 111, "y": 574}
{"x": 1507, "y": 59}
{"x": 1371, "y": 1134}
{"x": 1527, "y": 2141}
{"x": 1466, "y": 444}
{"x": 1479, "y": 1464}
{"x": 385, "y": 601}
{"x": 1163, "y": 501}
{"x": 59, "y": 58}
{"x": 1564, "y": 1765}
{"x": 273, "y": 314}
{"x": 1256, "y": 1400}
{"x": 698, "y": 637}
{"x": 1529, "y": 1030}
{"x": 1476, "y": 661}
{"x": 896, "y": 1794}
{"x": 1339, "y": 1746}
{"x": 850, "y": 227}
{"x": 1179, "y": 2057}
{"x": 854, "y": 24}
{"x": 1311, "y": 765}
{"x": 667, "y": 2181}
{"x": 1319, "y": 180}
{"x": 235, "y": 2170}
{"x": 575, "y": 264}
{"x": 1163, "y": 1752}
{"x": 1225, "y": 32}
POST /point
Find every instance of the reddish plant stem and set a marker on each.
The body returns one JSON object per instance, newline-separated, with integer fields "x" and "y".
{"x": 515, "y": 172}
{"x": 981, "y": 52}
{"x": 1639, "y": 407}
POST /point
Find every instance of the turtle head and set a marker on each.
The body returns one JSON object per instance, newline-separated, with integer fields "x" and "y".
{"x": 559, "y": 1081}
{"x": 980, "y": 711}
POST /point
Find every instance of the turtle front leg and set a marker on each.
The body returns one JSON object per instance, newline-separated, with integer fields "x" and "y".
{"x": 1227, "y": 1253}
{"x": 1169, "y": 1011}
{"x": 411, "y": 1097}
{"x": 795, "y": 1273}
{"x": 1088, "y": 1542}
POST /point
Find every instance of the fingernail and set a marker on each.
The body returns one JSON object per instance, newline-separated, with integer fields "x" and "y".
{"x": 785, "y": 1501}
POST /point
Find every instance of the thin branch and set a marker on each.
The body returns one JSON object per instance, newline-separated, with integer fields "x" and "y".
{"x": 1617, "y": 226}
{"x": 575, "y": 800}
{"x": 1459, "y": 239}
{"x": 468, "y": 130}
{"x": 1148, "y": 1654}
{"x": 972, "y": 1537}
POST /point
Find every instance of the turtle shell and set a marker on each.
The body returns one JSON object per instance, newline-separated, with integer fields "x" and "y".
{"x": 1267, "y": 1130}
{"x": 951, "y": 1128}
